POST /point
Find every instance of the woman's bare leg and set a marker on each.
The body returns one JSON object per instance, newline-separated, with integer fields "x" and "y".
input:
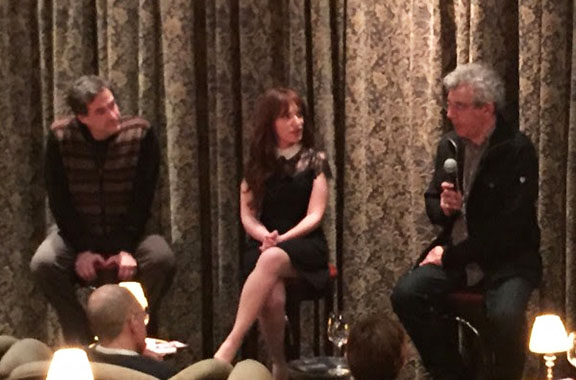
{"x": 272, "y": 325}
{"x": 272, "y": 267}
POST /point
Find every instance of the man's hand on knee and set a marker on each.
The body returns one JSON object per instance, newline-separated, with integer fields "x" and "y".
{"x": 434, "y": 256}
{"x": 125, "y": 263}
{"x": 87, "y": 263}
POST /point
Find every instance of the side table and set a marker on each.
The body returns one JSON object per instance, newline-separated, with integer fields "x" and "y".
{"x": 317, "y": 368}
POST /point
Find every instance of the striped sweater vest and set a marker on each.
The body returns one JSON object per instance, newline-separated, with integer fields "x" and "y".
{"x": 101, "y": 194}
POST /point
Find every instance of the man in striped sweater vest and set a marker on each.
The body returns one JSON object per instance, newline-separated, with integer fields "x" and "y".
{"x": 101, "y": 173}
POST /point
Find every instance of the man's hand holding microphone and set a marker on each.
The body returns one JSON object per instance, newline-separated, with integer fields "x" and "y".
{"x": 450, "y": 203}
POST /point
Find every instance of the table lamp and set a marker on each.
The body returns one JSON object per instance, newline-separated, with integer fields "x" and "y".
{"x": 136, "y": 289}
{"x": 70, "y": 364}
{"x": 548, "y": 337}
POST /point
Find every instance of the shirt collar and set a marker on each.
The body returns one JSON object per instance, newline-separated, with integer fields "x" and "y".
{"x": 115, "y": 351}
{"x": 289, "y": 152}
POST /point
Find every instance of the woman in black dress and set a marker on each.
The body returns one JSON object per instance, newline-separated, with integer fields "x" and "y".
{"x": 282, "y": 201}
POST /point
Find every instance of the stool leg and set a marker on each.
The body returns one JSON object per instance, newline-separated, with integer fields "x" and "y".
{"x": 293, "y": 315}
{"x": 317, "y": 328}
{"x": 328, "y": 309}
{"x": 296, "y": 333}
{"x": 474, "y": 351}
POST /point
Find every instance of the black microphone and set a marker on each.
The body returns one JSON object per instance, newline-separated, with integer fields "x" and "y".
{"x": 451, "y": 168}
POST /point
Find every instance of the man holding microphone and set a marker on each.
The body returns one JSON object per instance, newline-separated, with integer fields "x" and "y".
{"x": 483, "y": 194}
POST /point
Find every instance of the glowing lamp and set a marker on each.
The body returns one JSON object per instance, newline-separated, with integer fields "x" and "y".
{"x": 70, "y": 364}
{"x": 548, "y": 337}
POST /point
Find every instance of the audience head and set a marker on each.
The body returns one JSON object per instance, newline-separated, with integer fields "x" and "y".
{"x": 92, "y": 101}
{"x": 487, "y": 85}
{"x": 116, "y": 317}
{"x": 376, "y": 348}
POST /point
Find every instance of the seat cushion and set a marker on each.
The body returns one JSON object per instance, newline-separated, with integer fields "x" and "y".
{"x": 102, "y": 371}
{"x": 23, "y": 351}
{"x": 250, "y": 370}
{"x": 207, "y": 369}
{"x": 30, "y": 371}
{"x": 6, "y": 341}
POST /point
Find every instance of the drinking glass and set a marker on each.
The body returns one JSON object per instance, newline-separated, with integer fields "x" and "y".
{"x": 338, "y": 335}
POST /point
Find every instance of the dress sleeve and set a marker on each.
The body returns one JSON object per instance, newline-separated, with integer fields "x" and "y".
{"x": 321, "y": 165}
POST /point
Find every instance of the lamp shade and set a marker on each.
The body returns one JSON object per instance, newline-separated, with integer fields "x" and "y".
{"x": 548, "y": 335}
{"x": 70, "y": 364}
{"x": 136, "y": 289}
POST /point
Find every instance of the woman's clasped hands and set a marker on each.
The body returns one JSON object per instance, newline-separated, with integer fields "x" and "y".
{"x": 269, "y": 241}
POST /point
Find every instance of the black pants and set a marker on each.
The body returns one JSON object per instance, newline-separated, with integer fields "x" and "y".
{"x": 418, "y": 300}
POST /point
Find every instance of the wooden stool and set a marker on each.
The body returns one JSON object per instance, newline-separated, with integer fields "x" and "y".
{"x": 299, "y": 291}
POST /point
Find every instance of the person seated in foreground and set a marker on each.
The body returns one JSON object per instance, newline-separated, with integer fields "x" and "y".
{"x": 376, "y": 348}
{"x": 119, "y": 322}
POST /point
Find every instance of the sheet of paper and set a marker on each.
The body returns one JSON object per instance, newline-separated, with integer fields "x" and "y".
{"x": 163, "y": 347}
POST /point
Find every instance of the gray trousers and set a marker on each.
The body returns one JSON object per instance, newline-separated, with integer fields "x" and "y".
{"x": 53, "y": 269}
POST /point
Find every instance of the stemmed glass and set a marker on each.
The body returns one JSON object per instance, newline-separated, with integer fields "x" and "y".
{"x": 571, "y": 353}
{"x": 338, "y": 335}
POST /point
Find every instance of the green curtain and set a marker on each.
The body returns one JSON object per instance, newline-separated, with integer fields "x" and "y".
{"x": 371, "y": 73}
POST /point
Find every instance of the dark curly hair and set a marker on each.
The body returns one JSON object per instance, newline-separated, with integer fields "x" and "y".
{"x": 262, "y": 156}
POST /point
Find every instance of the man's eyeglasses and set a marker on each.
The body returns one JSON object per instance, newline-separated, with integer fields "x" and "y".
{"x": 459, "y": 106}
{"x": 144, "y": 315}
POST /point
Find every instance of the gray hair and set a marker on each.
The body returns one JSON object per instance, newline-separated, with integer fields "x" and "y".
{"x": 83, "y": 91}
{"x": 487, "y": 84}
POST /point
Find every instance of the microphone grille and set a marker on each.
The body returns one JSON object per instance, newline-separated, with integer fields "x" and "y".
{"x": 450, "y": 166}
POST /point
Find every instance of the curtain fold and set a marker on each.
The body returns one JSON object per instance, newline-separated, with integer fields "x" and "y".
{"x": 20, "y": 141}
{"x": 544, "y": 114}
{"x": 570, "y": 272}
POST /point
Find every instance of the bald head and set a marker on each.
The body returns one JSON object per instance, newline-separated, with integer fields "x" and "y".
{"x": 108, "y": 308}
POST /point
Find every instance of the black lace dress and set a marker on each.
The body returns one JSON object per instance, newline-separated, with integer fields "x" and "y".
{"x": 285, "y": 204}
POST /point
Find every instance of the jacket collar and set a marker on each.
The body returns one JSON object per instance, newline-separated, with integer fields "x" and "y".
{"x": 502, "y": 132}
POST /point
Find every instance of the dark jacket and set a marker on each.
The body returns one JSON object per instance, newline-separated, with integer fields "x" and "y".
{"x": 503, "y": 233}
{"x": 158, "y": 369}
